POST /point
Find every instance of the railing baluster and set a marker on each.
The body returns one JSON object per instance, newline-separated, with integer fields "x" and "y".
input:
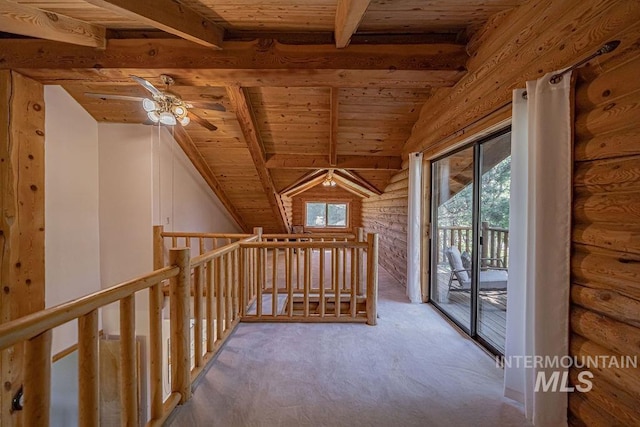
{"x": 242, "y": 280}
{"x": 259, "y": 286}
{"x": 235, "y": 282}
{"x": 37, "y": 380}
{"x": 360, "y": 252}
{"x": 336, "y": 284}
{"x": 88, "y": 370}
{"x": 210, "y": 307}
{"x": 197, "y": 314}
{"x": 354, "y": 280}
{"x": 201, "y": 242}
{"x": 344, "y": 268}
{"x": 289, "y": 279}
{"x": 219, "y": 301}
{"x": 298, "y": 253}
{"x": 227, "y": 294}
{"x": 128, "y": 362}
{"x": 307, "y": 280}
{"x": 274, "y": 282}
{"x": 321, "y": 282}
{"x": 372, "y": 279}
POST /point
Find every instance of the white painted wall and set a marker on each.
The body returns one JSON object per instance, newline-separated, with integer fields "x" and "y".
{"x": 182, "y": 199}
{"x": 106, "y": 186}
{"x": 72, "y": 240}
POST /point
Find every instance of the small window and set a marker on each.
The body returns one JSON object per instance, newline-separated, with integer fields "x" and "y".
{"x": 326, "y": 215}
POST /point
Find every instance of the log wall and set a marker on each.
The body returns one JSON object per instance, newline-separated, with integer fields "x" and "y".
{"x": 605, "y": 288}
{"x": 329, "y": 194}
{"x": 524, "y": 44}
{"x": 387, "y": 215}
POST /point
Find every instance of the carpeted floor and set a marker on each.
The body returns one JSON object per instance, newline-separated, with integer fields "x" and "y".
{"x": 412, "y": 369}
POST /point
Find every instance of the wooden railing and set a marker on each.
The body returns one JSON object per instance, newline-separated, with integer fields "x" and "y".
{"x": 224, "y": 285}
{"x": 282, "y": 285}
{"x": 213, "y": 291}
{"x": 495, "y": 248}
{"x": 35, "y": 332}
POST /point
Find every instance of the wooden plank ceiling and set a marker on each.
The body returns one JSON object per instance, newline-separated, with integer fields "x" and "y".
{"x": 297, "y": 99}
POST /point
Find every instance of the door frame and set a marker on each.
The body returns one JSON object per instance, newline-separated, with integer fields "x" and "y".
{"x": 472, "y": 329}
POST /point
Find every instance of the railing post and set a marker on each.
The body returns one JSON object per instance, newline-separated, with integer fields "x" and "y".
{"x": 158, "y": 247}
{"x": 372, "y": 278}
{"x": 37, "y": 380}
{"x": 258, "y": 231}
{"x": 180, "y": 328}
{"x": 155, "y": 328}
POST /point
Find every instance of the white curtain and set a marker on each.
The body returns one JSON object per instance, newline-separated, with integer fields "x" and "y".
{"x": 414, "y": 231}
{"x": 539, "y": 245}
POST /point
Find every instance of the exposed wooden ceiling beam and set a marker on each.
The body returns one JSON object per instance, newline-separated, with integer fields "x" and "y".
{"x": 409, "y": 79}
{"x": 307, "y": 185}
{"x": 333, "y": 136}
{"x": 242, "y": 107}
{"x": 235, "y": 55}
{"x": 303, "y": 179}
{"x": 352, "y": 187}
{"x": 186, "y": 143}
{"x": 349, "y": 13}
{"x": 295, "y": 161}
{"x": 354, "y": 177}
{"x": 170, "y": 16}
{"x": 17, "y": 18}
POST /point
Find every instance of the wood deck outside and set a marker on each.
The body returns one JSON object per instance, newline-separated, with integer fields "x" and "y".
{"x": 492, "y": 309}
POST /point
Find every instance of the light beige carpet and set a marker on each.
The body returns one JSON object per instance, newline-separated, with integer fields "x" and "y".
{"x": 412, "y": 369}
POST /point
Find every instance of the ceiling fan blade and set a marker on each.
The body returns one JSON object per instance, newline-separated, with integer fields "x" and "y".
{"x": 148, "y": 86}
{"x": 207, "y": 105}
{"x": 113, "y": 96}
{"x": 201, "y": 121}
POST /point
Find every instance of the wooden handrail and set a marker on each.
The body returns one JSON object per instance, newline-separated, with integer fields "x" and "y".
{"x": 216, "y": 253}
{"x": 205, "y": 235}
{"x": 304, "y": 245}
{"x": 310, "y": 236}
{"x": 37, "y": 323}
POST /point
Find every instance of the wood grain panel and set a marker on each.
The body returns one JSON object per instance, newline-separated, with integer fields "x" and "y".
{"x": 430, "y": 16}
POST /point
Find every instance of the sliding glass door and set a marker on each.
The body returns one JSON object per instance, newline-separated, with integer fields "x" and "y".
{"x": 470, "y": 237}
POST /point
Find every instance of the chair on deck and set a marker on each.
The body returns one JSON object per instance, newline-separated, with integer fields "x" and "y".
{"x": 491, "y": 279}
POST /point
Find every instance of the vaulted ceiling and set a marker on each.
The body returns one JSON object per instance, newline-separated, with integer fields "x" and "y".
{"x": 307, "y": 84}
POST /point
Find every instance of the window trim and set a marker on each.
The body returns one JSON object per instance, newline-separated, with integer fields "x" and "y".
{"x": 327, "y": 202}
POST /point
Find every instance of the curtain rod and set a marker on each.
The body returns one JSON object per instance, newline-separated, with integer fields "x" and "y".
{"x": 606, "y": 48}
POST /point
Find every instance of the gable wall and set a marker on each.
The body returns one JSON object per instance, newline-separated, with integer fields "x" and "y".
{"x": 332, "y": 194}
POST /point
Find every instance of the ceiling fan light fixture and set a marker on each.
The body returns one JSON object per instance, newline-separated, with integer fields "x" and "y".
{"x": 179, "y": 110}
{"x": 185, "y": 120}
{"x": 153, "y": 116}
{"x": 166, "y": 118}
{"x": 149, "y": 105}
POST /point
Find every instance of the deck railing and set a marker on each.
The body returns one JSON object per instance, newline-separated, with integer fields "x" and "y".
{"x": 495, "y": 248}
{"x": 221, "y": 284}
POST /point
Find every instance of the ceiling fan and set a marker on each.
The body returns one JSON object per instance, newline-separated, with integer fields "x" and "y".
{"x": 164, "y": 107}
